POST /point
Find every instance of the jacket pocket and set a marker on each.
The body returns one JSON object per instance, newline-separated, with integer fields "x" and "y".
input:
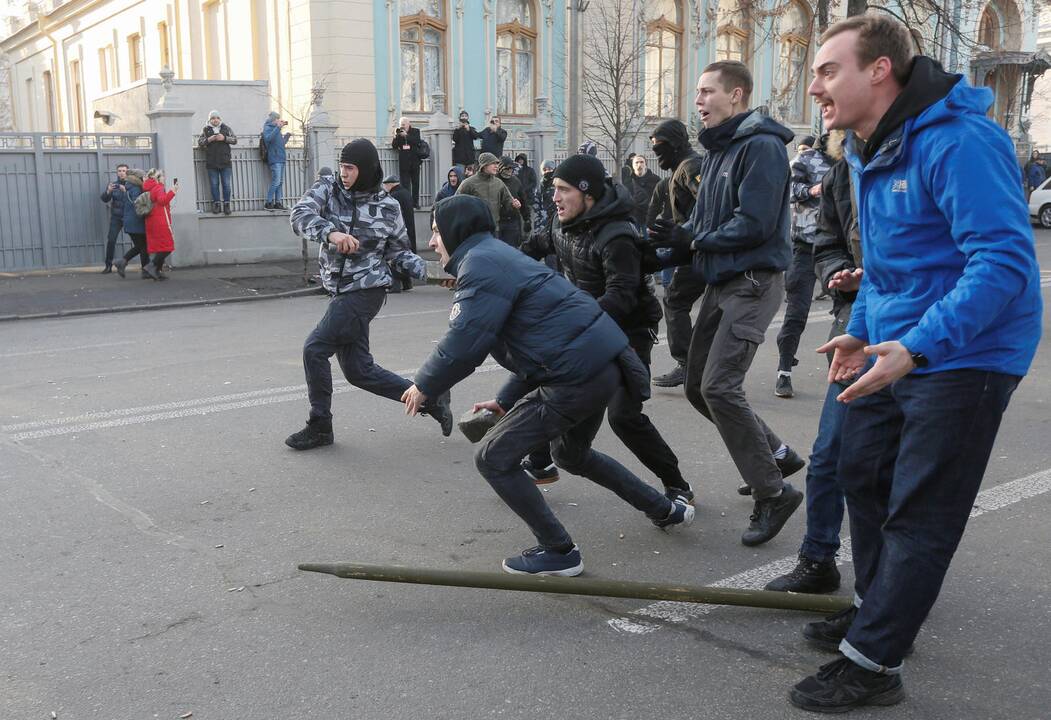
{"x": 743, "y": 331}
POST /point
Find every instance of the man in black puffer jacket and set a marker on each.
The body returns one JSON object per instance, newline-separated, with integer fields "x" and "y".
{"x": 671, "y": 144}
{"x": 598, "y": 251}
{"x": 567, "y": 359}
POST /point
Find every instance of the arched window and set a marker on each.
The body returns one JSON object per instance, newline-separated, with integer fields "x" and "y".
{"x": 663, "y": 50}
{"x": 796, "y": 29}
{"x": 516, "y": 42}
{"x": 734, "y": 31}
{"x": 422, "y": 53}
{"x": 990, "y": 30}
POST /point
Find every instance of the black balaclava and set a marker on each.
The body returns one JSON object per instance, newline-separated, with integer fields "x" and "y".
{"x": 362, "y": 154}
{"x": 584, "y": 172}
{"x": 461, "y": 216}
{"x": 674, "y": 144}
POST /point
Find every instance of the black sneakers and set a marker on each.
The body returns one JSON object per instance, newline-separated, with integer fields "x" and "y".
{"x": 770, "y": 515}
{"x": 675, "y": 378}
{"x": 827, "y": 634}
{"x": 783, "y": 386}
{"x": 541, "y": 476}
{"x": 673, "y": 493}
{"x": 315, "y": 434}
{"x": 842, "y": 685}
{"x": 790, "y": 464}
{"x": 440, "y": 410}
{"x": 119, "y": 264}
{"x": 808, "y": 576}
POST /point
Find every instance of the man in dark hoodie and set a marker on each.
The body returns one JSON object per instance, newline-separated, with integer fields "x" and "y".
{"x": 671, "y": 144}
{"x": 452, "y": 183}
{"x": 949, "y": 306}
{"x": 362, "y": 234}
{"x": 567, "y": 359}
{"x": 463, "y": 141}
{"x": 737, "y": 238}
{"x": 515, "y": 223}
{"x": 598, "y": 251}
{"x": 394, "y": 188}
{"x": 641, "y": 184}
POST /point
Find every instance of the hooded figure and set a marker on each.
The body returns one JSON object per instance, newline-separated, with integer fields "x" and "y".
{"x": 452, "y": 184}
{"x": 515, "y": 225}
{"x": 526, "y": 174}
{"x": 671, "y": 145}
{"x": 489, "y": 188}
{"x": 567, "y": 358}
{"x": 463, "y": 141}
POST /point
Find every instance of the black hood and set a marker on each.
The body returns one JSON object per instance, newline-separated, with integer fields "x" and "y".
{"x": 742, "y": 125}
{"x": 615, "y": 204}
{"x": 363, "y": 154}
{"x": 676, "y": 139}
{"x": 461, "y": 216}
{"x": 927, "y": 84}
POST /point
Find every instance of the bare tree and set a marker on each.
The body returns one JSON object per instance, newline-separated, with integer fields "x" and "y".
{"x": 612, "y": 80}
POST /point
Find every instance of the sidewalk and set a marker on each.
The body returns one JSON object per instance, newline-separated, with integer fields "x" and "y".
{"x": 70, "y": 292}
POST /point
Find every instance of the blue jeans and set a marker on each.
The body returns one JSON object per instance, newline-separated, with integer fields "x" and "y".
{"x": 277, "y": 182}
{"x": 911, "y": 463}
{"x": 568, "y": 417}
{"x": 824, "y": 499}
{"x": 214, "y": 177}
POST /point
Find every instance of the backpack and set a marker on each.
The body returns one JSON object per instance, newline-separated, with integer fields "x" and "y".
{"x": 423, "y": 150}
{"x": 263, "y": 154}
{"x": 143, "y": 204}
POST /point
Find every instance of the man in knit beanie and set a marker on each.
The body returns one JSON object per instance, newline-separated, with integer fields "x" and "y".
{"x": 487, "y": 185}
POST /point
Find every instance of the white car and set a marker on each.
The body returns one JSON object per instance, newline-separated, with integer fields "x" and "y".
{"x": 1040, "y": 204}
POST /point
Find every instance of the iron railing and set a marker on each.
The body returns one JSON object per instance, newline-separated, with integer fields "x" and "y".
{"x": 250, "y": 175}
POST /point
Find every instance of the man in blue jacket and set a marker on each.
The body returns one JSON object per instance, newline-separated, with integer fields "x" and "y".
{"x": 114, "y": 195}
{"x": 567, "y": 358}
{"x": 737, "y": 239}
{"x": 949, "y": 305}
{"x": 276, "y": 157}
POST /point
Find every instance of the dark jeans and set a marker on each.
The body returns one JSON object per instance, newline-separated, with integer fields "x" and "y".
{"x": 344, "y": 332}
{"x": 636, "y": 431}
{"x": 911, "y": 464}
{"x": 824, "y": 499}
{"x": 217, "y": 175}
{"x": 138, "y": 248}
{"x": 409, "y": 174}
{"x": 115, "y": 226}
{"x": 799, "y": 286}
{"x": 731, "y": 323}
{"x": 680, "y": 295}
{"x": 568, "y": 417}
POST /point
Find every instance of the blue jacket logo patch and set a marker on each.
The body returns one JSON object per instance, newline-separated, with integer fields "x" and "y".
{"x": 900, "y": 185}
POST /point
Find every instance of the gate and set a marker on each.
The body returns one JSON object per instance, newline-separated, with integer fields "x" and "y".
{"x": 51, "y": 215}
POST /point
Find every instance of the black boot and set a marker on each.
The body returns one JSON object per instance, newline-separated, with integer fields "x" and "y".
{"x": 843, "y": 685}
{"x": 770, "y": 515}
{"x": 227, "y": 208}
{"x": 674, "y": 378}
{"x": 120, "y": 264}
{"x": 217, "y": 208}
{"x": 108, "y": 269}
{"x": 317, "y": 433}
{"x": 808, "y": 576}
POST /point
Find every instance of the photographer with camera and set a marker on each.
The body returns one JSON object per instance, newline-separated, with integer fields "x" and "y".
{"x": 275, "y": 157}
{"x": 463, "y": 141}
{"x": 493, "y": 138}
{"x": 114, "y": 195}
{"x": 407, "y": 142}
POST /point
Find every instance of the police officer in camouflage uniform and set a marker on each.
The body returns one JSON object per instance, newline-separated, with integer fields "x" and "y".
{"x": 362, "y": 234}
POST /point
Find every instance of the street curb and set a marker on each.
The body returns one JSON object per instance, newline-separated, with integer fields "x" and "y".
{"x": 80, "y": 312}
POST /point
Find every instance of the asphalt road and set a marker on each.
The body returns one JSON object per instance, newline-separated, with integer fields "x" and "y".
{"x": 151, "y": 520}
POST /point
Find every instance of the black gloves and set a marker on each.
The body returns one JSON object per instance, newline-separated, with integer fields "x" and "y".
{"x": 666, "y": 234}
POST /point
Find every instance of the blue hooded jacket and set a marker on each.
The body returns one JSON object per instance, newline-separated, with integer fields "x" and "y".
{"x": 950, "y": 265}
{"x": 132, "y": 189}
{"x": 530, "y": 319}
{"x": 275, "y": 143}
{"x": 447, "y": 189}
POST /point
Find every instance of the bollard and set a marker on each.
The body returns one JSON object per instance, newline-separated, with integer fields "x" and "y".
{"x": 826, "y": 604}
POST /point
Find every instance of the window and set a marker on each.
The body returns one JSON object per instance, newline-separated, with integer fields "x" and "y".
{"x": 989, "y": 28}
{"x": 163, "y": 43}
{"x": 103, "y": 70}
{"x": 135, "y": 57}
{"x": 422, "y": 53}
{"x": 734, "y": 38}
{"x": 30, "y": 102}
{"x": 796, "y": 29}
{"x": 515, "y": 57}
{"x": 78, "y": 96}
{"x": 211, "y": 41}
{"x": 49, "y": 100}
{"x": 663, "y": 43}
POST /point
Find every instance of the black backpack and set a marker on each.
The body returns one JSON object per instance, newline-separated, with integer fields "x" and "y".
{"x": 423, "y": 150}
{"x": 263, "y": 154}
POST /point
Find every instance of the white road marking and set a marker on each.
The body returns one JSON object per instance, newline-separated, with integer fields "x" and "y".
{"x": 50, "y": 351}
{"x": 175, "y": 410}
{"x": 988, "y": 500}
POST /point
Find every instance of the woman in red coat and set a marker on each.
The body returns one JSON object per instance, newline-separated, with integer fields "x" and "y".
{"x": 159, "y": 239}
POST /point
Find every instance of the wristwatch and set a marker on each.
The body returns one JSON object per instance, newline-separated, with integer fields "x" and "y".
{"x": 919, "y": 360}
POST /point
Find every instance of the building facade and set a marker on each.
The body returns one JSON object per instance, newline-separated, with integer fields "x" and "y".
{"x": 531, "y": 62}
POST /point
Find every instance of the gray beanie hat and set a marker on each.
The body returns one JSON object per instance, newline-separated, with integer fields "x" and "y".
{"x": 214, "y": 114}
{"x": 273, "y": 115}
{"x": 487, "y": 158}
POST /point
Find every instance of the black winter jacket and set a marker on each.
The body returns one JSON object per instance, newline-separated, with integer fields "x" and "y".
{"x": 404, "y": 198}
{"x": 531, "y": 320}
{"x": 493, "y": 141}
{"x": 463, "y": 145}
{"x": 641, "y": 190}
{"x": 217, "y": 154}
{"x": 598, "y": 253}
{"x": 660, "y": 203}
{"x": 837, "y": 243}
{"x": 408, "y": 147}
{"x": 741, "y": 219}
{"x": 115, "y": 199}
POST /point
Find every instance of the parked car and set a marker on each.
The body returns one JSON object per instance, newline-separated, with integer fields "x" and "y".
{"x": 1040, "y": 204}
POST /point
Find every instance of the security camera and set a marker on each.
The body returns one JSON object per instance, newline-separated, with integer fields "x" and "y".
{"x": 106, "y": 116}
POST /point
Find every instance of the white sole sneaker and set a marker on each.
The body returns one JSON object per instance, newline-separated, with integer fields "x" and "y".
{"x": 568, "y": 572}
